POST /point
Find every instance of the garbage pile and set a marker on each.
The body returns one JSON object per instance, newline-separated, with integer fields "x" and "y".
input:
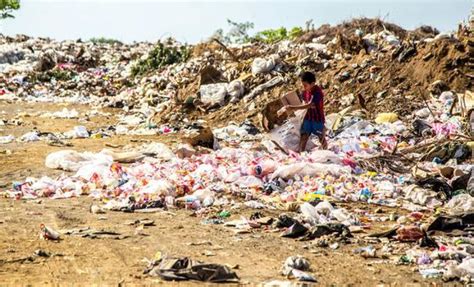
{"x": 362, "y": 63}
{"x": 399, "y": 136}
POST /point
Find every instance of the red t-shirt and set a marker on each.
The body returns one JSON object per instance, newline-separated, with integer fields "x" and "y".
{"x": 316, "y": 112}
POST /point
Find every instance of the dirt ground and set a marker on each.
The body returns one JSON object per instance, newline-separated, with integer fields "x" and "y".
{"x": 257, "y": 256}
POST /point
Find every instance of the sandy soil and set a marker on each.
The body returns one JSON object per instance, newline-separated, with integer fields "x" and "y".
{"x": 85, "y": 261}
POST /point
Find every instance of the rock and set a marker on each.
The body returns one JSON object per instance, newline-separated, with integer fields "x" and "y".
{"x": 407, "y": 53}
{"x": 344, "y": 76}
{"x": 202, "y": 136}
{"x": 95, "y": 209}
{"x": 184, "y": 151}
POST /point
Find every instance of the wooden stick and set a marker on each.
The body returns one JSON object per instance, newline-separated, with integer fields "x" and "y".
{"x": 426, "y": 103}
{"x": 425, "y": 144}
{"x": 225, "y": 48}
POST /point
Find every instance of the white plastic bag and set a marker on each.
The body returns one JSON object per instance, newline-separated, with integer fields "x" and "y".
{"x": 310, "y": 213}
{"x": 359, "y": 128}
{"x": 325, "y": 156}
{"x": 324, "y": 207}
{"x": 89, "y": 169}
{"x": 235, "y": 89}
{"x": 6, "y": 139}
{"x": 421, "y": 196}
{"x": 261, "y": 65}
{"x": 249, "y": 181}
{"x": 30, "y": 137}
{"x": 213, "y": 93}
{"x": 78, "y": 132}
{"x": 467, "y": 267}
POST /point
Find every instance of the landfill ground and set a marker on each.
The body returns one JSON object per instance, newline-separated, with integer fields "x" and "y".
{"x": 258, "y": 255}
{"x": 111, "y": 261}
{"x": 150, "y": 162}
{"x": 88, "y": 261}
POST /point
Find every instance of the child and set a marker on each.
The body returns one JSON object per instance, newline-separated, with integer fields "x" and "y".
{"x": 314, "y": 119}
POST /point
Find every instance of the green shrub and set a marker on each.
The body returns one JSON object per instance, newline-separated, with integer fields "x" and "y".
{"x": 103, "y": 40}
{"x": 7, "y": 7}
{"x": 161, "y": 55}
{"x": 57, "y": 74}
{"x": 61, "y": 75}
{"x": 276, "y": 35}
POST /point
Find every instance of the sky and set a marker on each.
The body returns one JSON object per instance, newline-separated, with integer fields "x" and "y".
{"x": 193, "y": 21}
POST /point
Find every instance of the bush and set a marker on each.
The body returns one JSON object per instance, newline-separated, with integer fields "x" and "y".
{"x": 61, "y": 75}
{"x": 7, "y": 7}
{"x": 162, "y": 55}
{"x": 276, "y": 35}
{"x": 238, "y": 33}
{"x": 103, "y": 40}
{"x": 47, "y": 76}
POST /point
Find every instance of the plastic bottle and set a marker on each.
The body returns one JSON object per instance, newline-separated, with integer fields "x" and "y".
{"x": 365, "y": 194}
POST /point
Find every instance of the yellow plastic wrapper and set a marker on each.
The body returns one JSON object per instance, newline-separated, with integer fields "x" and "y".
{"x": 158, "y": 256}
{"x": 371, "y": 173}
{"x": 96, "y": 136}
{"x": 386, "y": 118}
{"x": 470, "y": 145}
{"x": 314, "y": 196}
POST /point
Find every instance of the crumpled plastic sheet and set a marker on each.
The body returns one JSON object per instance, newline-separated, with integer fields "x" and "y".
{"x": 462, "y": 203}
{"x": 6, "y": 139}
{"x": 261, "y": 65}
{"x": 212, "y": 94}
{"x": 70, "y": 160}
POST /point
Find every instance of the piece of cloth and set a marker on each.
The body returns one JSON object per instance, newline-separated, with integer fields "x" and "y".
{"x": 178, "y": 269}
{"x": 312, "y": 127}
{"x": 316, "y": 111}
{"x": 448, "y": 223}
{"x": 337, "y": 229}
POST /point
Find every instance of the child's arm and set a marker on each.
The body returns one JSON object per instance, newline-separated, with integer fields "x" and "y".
{"x": 287, "y": 109}
{"x": 304, "y": 106}
{"x": 299, "y": 107}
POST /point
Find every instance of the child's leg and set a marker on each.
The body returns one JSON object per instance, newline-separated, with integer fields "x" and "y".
{"x": 303, "y": 141}
{"x": 322, "y": 139}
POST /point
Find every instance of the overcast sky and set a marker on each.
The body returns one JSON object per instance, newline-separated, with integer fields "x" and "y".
{"x": 192, "y": 21}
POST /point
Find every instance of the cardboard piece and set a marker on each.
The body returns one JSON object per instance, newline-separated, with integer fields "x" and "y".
{"x": 291, "y": 99}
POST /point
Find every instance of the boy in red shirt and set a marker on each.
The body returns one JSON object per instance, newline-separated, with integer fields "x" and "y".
{"x": 314, "y": 119}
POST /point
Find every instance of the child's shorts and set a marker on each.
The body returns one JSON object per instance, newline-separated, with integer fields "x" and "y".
{"x": 312, "y": 127}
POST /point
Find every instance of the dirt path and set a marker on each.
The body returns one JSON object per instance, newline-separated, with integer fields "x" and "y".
{"x": 259, "y": 255}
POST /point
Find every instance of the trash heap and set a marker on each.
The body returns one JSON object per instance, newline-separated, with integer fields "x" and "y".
{"x": 400, "y": 136}
{"x": 360, "y": 63}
